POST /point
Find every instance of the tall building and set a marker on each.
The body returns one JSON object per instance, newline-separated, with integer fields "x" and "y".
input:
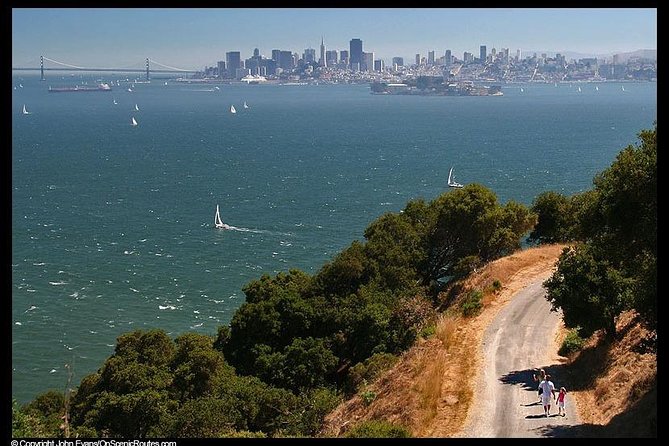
{"x": 324, "y": 61}
{"x": 276, "y": 54}
{"x": 518, "y": 55}
{"x": 482, "y": 53}
{"x": 367, "y": 62}
{"x": 344, "y": 57}
{"x": 356, "y": 52}
{"x": 399, "y": 61}
{"x": 378, "y": 65}
{"x": 233, "y": 61}
{"x": 448, "y": 58}
{"x": 331, "y": 58}
{"x": 309, "y": 55}
{"x": 418, "y": 59}
{"x": 468, "y": 57}
{"x": 430, "y": 57}
{"x": 221, "y": 68}
{"x": 286, "y": 60}
{"x": 256, "y": 53}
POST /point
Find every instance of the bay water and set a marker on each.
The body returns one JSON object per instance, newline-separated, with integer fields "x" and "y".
{"x": 112, "y": 224}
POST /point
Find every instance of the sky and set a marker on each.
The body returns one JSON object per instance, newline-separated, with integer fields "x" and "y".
{"x": 195, "y": 38}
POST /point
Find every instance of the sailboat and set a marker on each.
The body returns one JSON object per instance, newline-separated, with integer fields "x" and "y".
{"x": 245, "y": 106}
{"x": 136, "y": 108}
{"x": 623, "y": 87}
{"x": 596, "y": 88}
{"x": 452, "y": 183}
{"x": 25, "y": 112}
{"x": 115, "y": 103}
{"x": 133, "y": 122}
{"x": 232, "y": 109}
{"x": 579, "y": 89}
{"x": 521, "y": 89}
{"x": 217, "y": 220}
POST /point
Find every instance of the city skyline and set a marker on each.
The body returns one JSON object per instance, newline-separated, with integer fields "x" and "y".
{"x": 194, "y": 38}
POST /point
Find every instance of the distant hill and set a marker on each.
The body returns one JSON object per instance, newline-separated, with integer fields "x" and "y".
{"x": 624, "y": 57}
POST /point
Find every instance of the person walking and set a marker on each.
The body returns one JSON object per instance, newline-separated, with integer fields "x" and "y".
{"x": 547, "y": 394}
{"x": 539, "y": 378}
{"x": 559, "y": 400}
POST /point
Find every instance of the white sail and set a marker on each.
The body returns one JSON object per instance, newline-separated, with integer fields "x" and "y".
{"x": 452, "y": 183}
{"x": 579, "y": 89}
{"x": 133, "y": 123}
{"x": 25, "y": 112}
{"x": 115, "y": 103}
{"x": 245, "y": 106}
{"x": 217, "y": 220}
{"x": 596, "y": 88}
{"x": 136, "y": 108}
{"x": 232, "y": 109}
{"x": 623, "y": 87}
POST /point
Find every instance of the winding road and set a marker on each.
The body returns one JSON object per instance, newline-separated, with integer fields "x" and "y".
{"x": 518, "y": 341}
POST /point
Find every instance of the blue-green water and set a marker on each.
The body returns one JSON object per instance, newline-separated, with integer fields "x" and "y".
{"x": 112, "y": 225}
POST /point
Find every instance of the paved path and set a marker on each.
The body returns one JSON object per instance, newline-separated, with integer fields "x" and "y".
{"x": 519, "y": 340}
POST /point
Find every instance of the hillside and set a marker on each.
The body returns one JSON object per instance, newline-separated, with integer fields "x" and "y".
{"x": 430, "y": 389}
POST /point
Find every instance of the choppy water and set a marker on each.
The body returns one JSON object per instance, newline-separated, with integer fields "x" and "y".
{"x": 112, "y": 225}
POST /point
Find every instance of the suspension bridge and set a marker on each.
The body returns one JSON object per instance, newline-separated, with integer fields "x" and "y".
{"x": 62, "y": 66}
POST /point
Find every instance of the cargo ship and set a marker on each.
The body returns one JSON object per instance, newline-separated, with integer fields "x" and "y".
{"x": 99, "y": 87}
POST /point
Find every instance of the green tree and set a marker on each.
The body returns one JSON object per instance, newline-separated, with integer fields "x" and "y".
{"x": 470, "y": 222}
{"x": 554, "y": 218}
{"x": 588, "y": 290}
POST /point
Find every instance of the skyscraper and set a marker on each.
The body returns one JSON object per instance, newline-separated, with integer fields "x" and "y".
{"x": 356, "y": 52}
{"x": 323, "y": 62}
{"x": 482, "y": 54}
{"x": 448, "y": 58}
{"x": 430, "y": 57}
{"x": 418, "y": 59}
{"x": 233, "y": 61}
{"x": 399, "y": 61}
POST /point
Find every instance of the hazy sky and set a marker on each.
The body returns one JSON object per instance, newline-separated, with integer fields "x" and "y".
{"x": 193, "y": 38}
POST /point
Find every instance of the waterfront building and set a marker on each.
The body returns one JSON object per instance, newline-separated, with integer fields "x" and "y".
{"x": 286, "y": 60}
{"x": 221, "y": 68}
{"x": 276, "y": 54}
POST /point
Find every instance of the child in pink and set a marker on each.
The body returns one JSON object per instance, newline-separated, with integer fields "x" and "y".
{"x": 559, "y": 399}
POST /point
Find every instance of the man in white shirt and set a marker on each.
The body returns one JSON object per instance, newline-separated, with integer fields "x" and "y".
{"x": 547, "y": 394}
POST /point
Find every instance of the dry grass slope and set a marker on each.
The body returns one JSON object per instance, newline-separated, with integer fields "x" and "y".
{"x": 429, "y": 390}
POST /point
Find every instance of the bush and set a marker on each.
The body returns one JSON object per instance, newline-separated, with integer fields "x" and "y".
{"x": 572, "y": 343}
{"x": 369, "y": 370}
{"x": 368, "y": 397}
{"x": 472, "y": 304}
{"x": 496, "y": 285}
{"x": 378, "y": 429}
{"x": 428, "y": 330}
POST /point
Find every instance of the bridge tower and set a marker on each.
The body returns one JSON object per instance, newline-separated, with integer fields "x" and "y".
{"x": 147, "y": 69}
{"x": 41, "y": 68}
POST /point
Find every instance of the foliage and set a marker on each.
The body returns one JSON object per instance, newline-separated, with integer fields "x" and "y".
{"x": 472, "y": 304}
{"x": 368, "y": 397}
{"x": 555, "y": 220}
{"x": 378, "y": 429}
{"x": 46, "y": 411}
{"x": 571, "y": 343}
{"x": 615, "y": 268}
{"x": 369, "y": 370}
{"x": 471, "y": 225}
{"x": 24, "y": 425}
{"x": 590, "y": 291}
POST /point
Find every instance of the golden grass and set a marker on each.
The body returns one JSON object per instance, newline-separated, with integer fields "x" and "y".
{"x": 445, "y": 329}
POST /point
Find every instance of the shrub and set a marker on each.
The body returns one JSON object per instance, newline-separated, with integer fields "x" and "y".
{"x": 496, "y": 285}
{"x": 368, "y": 397}
{"x": 572, "y": 343}
{"x": 472, "y": 304}
{"x": 378, "y": 429}
{"x": 369, "y": 370}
